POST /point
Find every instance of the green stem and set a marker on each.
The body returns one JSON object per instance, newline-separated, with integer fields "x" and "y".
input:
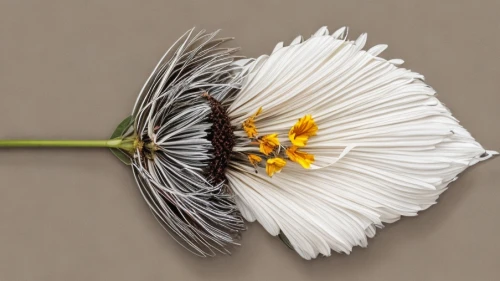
{"x": 114, "y": 143}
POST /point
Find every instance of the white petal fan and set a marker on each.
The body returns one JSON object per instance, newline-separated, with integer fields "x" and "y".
{"x": 386, "y": 147}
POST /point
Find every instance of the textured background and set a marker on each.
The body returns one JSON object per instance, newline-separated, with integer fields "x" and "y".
{"x": 72, "y": 69}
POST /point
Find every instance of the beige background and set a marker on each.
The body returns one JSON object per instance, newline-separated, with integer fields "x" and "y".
{"x": 72, "y": 69}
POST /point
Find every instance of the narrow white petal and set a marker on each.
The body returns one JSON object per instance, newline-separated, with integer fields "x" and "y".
{"x": 377, "y": 50}
{"x": 277, "y": 47}
{"x": 340, "y": 33}
{"x": 322, "y": 31}
{"x": 397, "y": 61}
{"x": 297, "y": 40}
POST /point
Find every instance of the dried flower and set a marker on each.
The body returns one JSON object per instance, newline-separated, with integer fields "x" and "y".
{"x": 303, "y": 158}
{"x": 274, "y": 165}
{"x": 268, "y": 143}
{"x": 249, "y": 124}
{"x": 302, "y": 130}
{"x": 254, "y": 159}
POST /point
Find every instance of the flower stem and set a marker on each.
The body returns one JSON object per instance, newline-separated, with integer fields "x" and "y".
{"x": 113, "y": 143}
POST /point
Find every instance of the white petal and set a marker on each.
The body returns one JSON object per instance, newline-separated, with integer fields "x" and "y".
{"x": 278, "y": 46}
{"x": 377, "y": 50}
{"x": 361, "y": 41}
{"x": 341, "y": 33}
{"x": 297, "y": 40}
{"x": 322, "y": 31}
{"x": 397, "y": 61}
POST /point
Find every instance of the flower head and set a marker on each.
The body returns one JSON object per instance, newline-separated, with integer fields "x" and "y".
{"x": 303, "y": 158}
{"x": 268, "y": 143}
{"x": 186, "y": 146}
{"x": 302, "y": 130}
{"x": 181, "y": 167}
{"x": 274, "y": 165}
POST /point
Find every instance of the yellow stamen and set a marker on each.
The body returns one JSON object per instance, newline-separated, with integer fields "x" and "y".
{"x": 301, "y": 157}
{"x": 249, "y": 124}
{"x": 268, "y": 143}
{"x": 302, "y": 130}
{"x": 274, "y": 165}
{"x": 254, "y": 159}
